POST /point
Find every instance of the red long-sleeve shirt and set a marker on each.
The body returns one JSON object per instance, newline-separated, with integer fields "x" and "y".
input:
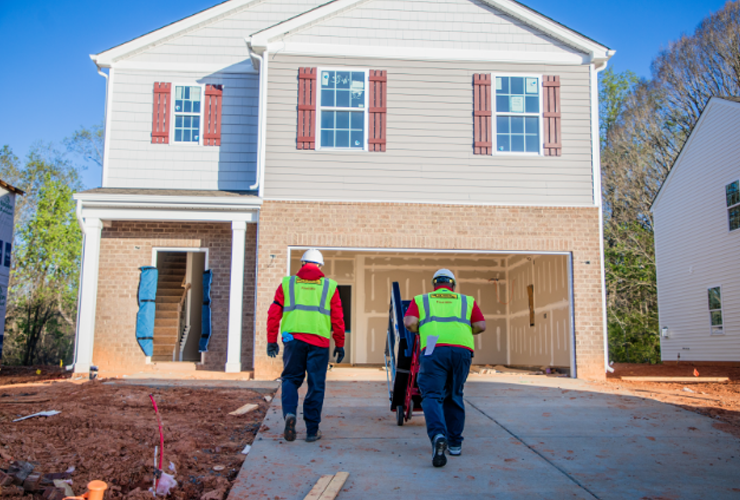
{"x": 275, "y": 314}
{"x": 475, "y": 316}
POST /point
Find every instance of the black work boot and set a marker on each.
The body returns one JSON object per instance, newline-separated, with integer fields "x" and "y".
{"x": 310, "y": 438}
{"x": 289, "y": 432}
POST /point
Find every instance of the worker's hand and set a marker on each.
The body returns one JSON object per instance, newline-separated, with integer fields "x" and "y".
{"x": 273, "y": 349}
{"x": 339, "y": 353}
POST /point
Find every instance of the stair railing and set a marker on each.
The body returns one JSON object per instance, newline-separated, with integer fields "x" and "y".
{"x": 183, "y": 323}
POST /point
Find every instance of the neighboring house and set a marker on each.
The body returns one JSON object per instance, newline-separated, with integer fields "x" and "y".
{"x": 7, "y": 226}
{"x": 397, "y": 136}
{"x": 697, "y": 241}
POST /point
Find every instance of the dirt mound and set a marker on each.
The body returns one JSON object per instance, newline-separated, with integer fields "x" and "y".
{"x": 109, "y": 432}
{"x": 24, "y": 374}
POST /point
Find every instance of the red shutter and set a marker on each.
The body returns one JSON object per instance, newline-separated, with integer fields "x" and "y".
{"x": 306, "y": 108}
{"x": 161, "y": 113}
{"x": 212, "y": 132}
{"x": 482, "y": 143}
{"x": 377, "y": 110}
{"x": 551, "y": 115}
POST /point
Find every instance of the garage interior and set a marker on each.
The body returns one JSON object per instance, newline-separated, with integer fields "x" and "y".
{"x": 525, "y": 298}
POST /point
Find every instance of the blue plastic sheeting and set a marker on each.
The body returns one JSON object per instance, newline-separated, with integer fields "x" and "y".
{"x": 205, "y": 329}
{"x": 147, "y": 307}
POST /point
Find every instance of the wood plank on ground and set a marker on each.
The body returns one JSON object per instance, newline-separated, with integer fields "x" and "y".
{"x": 331, "y": 491}
{"x": 676, "y": 379}
{"x": 319, "y": 487}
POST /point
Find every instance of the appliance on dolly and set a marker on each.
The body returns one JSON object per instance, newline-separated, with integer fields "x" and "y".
{"x": 401, "y": 361}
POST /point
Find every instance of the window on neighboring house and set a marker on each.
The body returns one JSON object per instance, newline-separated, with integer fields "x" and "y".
{"x": 342, "y": 109}
{"x": 518, "y": 113}
{"x": 715, "y": 310}
{"x": 732, "y": 192}
{"x": 187, "y": 114}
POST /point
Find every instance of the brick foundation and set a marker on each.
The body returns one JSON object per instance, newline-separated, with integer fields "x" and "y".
{"x": 124, "y": 248}
{"x": 437, "y": 227}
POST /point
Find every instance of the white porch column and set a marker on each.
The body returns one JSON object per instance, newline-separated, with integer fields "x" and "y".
{"x": 88, "y": 295}
{"x": 236, "y": 299}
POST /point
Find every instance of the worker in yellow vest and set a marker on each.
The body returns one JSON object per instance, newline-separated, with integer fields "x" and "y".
{"x": 308, "y": 311}
{"x": 445, "y": 322}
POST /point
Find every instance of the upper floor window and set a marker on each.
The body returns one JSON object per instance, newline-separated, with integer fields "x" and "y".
{"x": 715, "y": 310}
{"x": 187, "y": 114}
{"x": 518, "y": 112}
{"x": 342, "y": 112}
{"x": 732, "y": 193}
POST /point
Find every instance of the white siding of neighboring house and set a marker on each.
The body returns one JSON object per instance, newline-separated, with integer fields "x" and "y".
{"x": 430, "y": 24}
{"x": 429, "y": 155}
{"x": 134, "y": 162}
{"x": 694, "y": 248}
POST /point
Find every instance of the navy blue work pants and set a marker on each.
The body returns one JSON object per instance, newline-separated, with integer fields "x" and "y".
{"x": 442, "y": 376}
{"x": 299, "y": 359}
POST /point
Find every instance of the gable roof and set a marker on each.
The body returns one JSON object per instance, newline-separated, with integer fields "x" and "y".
{"x": 260, "y": 40}
{"x": 730, "y": 101}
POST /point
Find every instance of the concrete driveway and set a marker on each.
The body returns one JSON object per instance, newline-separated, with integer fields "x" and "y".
{"x": 526, "y": 437}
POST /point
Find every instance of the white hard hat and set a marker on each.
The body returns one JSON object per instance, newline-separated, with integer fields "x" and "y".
{"x": 314, "y": 256}
{"x": 443, "y": 273}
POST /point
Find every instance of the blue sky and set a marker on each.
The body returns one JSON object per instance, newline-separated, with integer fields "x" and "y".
{"x": 49, "y": 86}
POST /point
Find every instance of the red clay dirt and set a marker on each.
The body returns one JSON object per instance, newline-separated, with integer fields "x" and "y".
{"x": 24, "y": 374}
{"x": 718, "y": 400}
{"x": 109, "y": 432}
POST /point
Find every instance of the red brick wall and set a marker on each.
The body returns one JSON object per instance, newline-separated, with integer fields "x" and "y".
{"x": 448, "y": 227}
{"x": 124, "y": 248}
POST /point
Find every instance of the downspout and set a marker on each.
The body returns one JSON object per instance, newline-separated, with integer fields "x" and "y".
{"x": 597, "y": 197}
{"x": 105, "y": 119}
{"x": 261, "y": 118}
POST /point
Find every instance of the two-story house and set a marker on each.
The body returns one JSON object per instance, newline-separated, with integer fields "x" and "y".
{"x": 396, "y": 136}
{"x": 697, "y": 241}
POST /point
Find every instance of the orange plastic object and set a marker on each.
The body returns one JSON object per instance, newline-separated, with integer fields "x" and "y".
{"x": 96, "y": 491}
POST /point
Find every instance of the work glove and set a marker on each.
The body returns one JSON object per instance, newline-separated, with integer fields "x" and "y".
{"x": 339, "y": 353}
{"x": 273, "y": 349}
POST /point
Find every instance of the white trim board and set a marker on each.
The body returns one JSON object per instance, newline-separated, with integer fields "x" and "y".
{"x": 169, "y": 215}
{"x": 423, "y": 202}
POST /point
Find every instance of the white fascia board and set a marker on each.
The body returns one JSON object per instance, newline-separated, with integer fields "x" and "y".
{"x": 368, "y": 52}
{"x": 204, "y": 69}
{"x": 550, "y": 27}
{"x": 165, "y": 215}
{"x": 191, "y": 202}
{"x": 105, "y": 59}
{"x": 261, "y": 39}
{"x": 714, "y": 101}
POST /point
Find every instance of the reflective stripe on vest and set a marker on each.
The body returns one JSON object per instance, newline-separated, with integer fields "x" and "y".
{"x": 452, "y": 329}
{"x": 298, "y": 307}
{"x": 307, "y": 306}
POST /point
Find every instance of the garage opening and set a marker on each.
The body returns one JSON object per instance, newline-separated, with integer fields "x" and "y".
{"x": 525, "y": 298}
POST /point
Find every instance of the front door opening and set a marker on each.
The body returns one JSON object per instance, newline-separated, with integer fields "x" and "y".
{"x": 177, "y": 321}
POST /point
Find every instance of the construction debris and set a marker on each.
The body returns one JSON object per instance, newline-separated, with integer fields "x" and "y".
{"x": 244, "y": 409}
{"x": 49, "y": 413}
{"x": 676, "y": 379}
{"x": 327, "y": 487}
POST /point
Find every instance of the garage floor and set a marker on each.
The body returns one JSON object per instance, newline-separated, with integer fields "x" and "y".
{"x": 526, "y": 437}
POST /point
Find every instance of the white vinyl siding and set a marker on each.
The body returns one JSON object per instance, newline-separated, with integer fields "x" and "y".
{"x": 429, "y": 24}
{"x": 694, "y": 249}
{"x": 134, "y": 162}
{"x": 429, "y": 156}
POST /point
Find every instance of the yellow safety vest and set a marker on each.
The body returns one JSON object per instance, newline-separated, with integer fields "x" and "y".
{"x": 446, "y": 315}
{"x": 307, "y": 305}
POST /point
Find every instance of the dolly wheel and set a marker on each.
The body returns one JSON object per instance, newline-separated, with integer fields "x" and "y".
{"x": 399, "y": 415}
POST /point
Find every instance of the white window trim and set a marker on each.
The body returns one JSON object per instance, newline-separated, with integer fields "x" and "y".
{"x": 366, "y": 109}
{"x": 494, "y": 114}
{"x": 202, "y": 109}
{"x": 721, "y": 310}
{"x": 727, "y": 209}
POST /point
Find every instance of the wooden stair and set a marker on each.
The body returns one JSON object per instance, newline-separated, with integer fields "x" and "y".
{"x": 166, "y": 318}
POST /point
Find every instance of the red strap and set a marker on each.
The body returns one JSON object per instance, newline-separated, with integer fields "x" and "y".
{"x": 377, "y": 110}
{"x": 482, "y": 142}
{"x": 161, "y": 113}
{"x": 306, "y": 135}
